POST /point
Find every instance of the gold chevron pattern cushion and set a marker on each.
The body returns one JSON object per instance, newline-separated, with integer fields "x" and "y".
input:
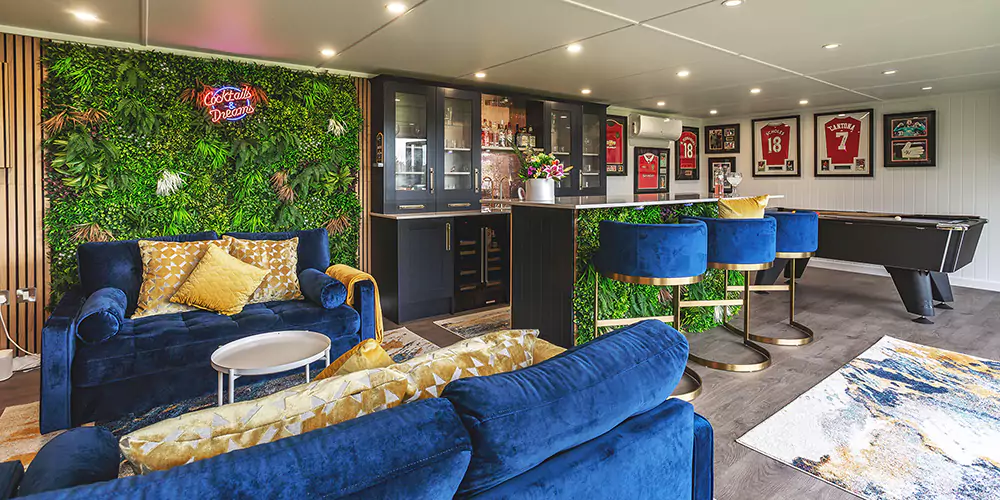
{"x": 165, "y": 267}
{"x": 366, "y": 355}
{"x": 497, "y": 352}
{"x": 220, "y": 283}
{"x": 280, "y": 257}
{"x": 300, "y": 409}
{"x": 544, "y": 350}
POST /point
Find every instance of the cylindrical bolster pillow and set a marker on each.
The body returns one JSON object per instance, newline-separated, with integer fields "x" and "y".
{"x": 77, "y": 457}
{"x": 322, "y": 289}
{"x": 101, "y": 316}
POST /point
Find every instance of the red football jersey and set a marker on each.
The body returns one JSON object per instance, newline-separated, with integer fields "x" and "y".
{"x": 688, "y": 145}
{"x": 774, "y": 139}
{"x": 843, "y": 138}
{"x": 648, "y": 165}
{"x": 615, "y": 153}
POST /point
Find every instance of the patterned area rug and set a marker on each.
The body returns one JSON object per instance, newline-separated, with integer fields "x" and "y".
{"x": 900, "y": 421}
{"x": 473, "y": 325}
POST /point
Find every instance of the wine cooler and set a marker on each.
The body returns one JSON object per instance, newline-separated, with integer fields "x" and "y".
{"x": 481, "y": 264}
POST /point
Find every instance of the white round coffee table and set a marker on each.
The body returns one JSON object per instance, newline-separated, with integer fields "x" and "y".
{"x": 269, "y": 353}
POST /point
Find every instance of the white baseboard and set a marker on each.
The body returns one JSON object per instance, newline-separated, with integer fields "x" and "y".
{"x": 854, "y": 267}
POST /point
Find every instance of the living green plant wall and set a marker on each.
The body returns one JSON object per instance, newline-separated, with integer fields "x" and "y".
{"x": 625, "y": 300}
{"x": 130, "y": 153}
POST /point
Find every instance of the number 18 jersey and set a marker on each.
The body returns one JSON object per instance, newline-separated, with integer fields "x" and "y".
{"x": 774, "y": 140}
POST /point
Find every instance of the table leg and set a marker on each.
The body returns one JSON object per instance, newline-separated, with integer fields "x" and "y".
{"x": 327, "y": 352}
{"x": 232, "y": 389}
{"x": 307, "y": 373}
{"x": 220, "y": 388}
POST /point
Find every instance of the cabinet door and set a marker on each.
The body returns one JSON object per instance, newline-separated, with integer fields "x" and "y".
{"x": 426, "y": 269}
{"x": 565, "y": 142}
{"x": 459, "y": 176}
{"x": 591, "y": 174}
{"x": 410, "y": 147}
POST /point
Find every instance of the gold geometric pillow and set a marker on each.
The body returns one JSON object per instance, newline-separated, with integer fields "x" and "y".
{"x": 498, "y": 352}
{"x": 165, "y": 267}
{"x": 300, "y": 409}
{"x": 281, "y": 257}
{"x": 545, "y": 350}
{"x": 364, "y": 356}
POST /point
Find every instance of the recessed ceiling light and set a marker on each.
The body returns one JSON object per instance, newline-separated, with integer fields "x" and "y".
{"x": 842, "y": 115}
{"x": 755, "y": 90}
{"x": 889, "y": 72}
{"x": 804, "y": 102}
{"x": 683, "y": 73}
{"x": 328, "y": 52}
{"x": 732, "y": 3}
{"x": 396, "y": 7}
{"x": 585, "y": 91}
{"x": 574, "y": 47}
{"x": 87, "y": 17}
{"x": 926, "y": 88}
{"x": 831, "y": 46}
{"x": 665, "y": 120}
{"x": 661, "y": 103}
{"x": 713, "y": 112}
{"x": 480, "y": 75}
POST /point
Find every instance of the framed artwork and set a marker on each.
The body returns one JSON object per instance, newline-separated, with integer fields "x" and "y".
{"x": 910, "y": 139}
{"x": 776, "y": 147}
{"x": 722, "y": 139}
{"x": 720, "y": 166}
{"x": 844, "y": 143}
{"x": 617, "y": 145}
{"x": 686, "y": 164}
{"x": 652, "y": 170}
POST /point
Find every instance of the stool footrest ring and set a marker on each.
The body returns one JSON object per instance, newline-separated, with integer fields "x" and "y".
{"x": 631, "y": 321}
{"x": 737, "y": 367}
{"x": 693, "y": 393}
{"x": 759, "y": 288}
{"x": 809, "y": 336}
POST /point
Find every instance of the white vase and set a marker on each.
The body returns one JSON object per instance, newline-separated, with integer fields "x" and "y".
{"x": 543, "y": 190}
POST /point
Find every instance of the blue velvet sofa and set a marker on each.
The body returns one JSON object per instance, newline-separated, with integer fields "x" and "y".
{"x": 593, "y": 422}
{"x": 163, "y": 359}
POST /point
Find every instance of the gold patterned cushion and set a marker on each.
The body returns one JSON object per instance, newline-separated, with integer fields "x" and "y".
{"x": 743, "y": 208}
{"x": 220, "y": 283}
{"x": 364, "y": 356}
{"x": 280, "y": 257}
{"x": 303, "y": 408}
{"x": 497, "y": 352}
{"x": 165, "y": 267}
{"x": 544, "y": 350}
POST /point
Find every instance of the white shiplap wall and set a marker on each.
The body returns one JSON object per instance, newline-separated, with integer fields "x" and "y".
{"x": 625, "y": 185}
{"x": 966, "y": 179}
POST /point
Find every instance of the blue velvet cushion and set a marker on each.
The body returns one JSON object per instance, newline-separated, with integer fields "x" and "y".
{"x": 322, "y": 289}
{"x": 118, "y": 264}
{"x": 517, "y": 420}
{"x": 704, "y": 460}
{"x": 653, "y": 250}
{"x": 797, "y": 232}
{"x": 10, "y": 476}
{"x": 76, "y": 457}
{"x": 739, "y": 241}
{"x": 102, "y": 316}
{"x": 314, "y": 246}
{"x": 418, "y": 450}
{"x": 646, "y": 456}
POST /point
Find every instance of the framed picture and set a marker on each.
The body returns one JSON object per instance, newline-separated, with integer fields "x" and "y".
{"x": 844, "y": 143}
{"x": 720, "y": 166}
{"x": 652, "y": 170}
{"x": 776, "y": 147}
{"x": 686, "y": 164}
{"x": 722, "y": 139}
{"x": 617, "y": 145}
{"x": 910, "y": 139}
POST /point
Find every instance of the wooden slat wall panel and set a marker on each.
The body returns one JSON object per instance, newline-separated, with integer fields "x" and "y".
{"x": 364, "y": 88}
{"x": 23, "y": 247}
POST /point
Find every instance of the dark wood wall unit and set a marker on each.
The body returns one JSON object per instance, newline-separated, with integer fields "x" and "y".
{"x": 413, "y": 262}
{"x": 22, "y": 242}
{"x": 385, "y": 265}
{"x": 542, "y": 289}
{"x": 364, "y": 88}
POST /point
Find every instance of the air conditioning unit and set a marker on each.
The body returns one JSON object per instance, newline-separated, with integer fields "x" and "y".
{"x": 654, "y": 127}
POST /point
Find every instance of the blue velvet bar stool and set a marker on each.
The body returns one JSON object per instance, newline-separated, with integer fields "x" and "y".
{"x": 653, "y": 254}
{"x": 741, "y": 245}
{"x": 797, "y": 238}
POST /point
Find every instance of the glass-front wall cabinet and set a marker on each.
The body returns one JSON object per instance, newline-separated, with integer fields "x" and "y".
{"x": 590, "y": 171}
{"x": 460, "y": 173}
{"x": 411, "y": 162}
{"x": 561, "y": 137}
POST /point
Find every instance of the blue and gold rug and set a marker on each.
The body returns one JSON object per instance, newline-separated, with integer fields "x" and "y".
{"x": 475, "y": 324}
{"x": 900, "y": 421}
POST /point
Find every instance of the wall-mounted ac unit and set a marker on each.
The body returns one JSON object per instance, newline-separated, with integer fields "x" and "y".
{"x": 654, "y": 127}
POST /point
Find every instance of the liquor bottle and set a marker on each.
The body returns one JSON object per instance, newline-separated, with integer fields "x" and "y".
{"x": 508, "y": 136}
{"x": 482, "y": 133}
{"x": 531, "y": 137}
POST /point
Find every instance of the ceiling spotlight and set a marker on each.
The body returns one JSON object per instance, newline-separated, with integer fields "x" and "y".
{"x": 831, "y": 46}
{"x": 328, "y": 52}
{"x": 396, "y": 7}
{"x": 713, "y": 112}
{"x": 661, "y": 103}
{"x": 732, "y": 3}
{"x": 842, "y": 115}
{"x": 889, "y": 72}
{"x": 574, "y": 47}
{"x": 804, "y": 102}
{"x": 926, "y": 88}
{"x": 755, "y": 90}
{"x": 683, "y": 73}
{"x": 480, "y": 75}
{"x": 87, "y": 17}
{"x": 585, "y": 91}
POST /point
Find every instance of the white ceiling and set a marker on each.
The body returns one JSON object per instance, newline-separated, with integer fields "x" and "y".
{"x": 632, "y": 49}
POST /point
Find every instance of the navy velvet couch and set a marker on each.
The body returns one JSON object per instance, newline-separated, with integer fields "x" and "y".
{"x": 593, "y": 422}
{"x": 164, "y": 359}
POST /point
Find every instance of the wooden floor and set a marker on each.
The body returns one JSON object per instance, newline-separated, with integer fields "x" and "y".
{"x": 849, "y": 312}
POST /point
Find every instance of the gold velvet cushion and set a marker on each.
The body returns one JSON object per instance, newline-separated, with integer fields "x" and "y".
{"x": 497, "y": 352}
{"x": 364, "y": 356}
{"x": 743, "y": 208}
{"x": 165, "y": 267}
{"x": 220, "y": 283}
{"x": 303, "y": 408}
{"x": 280, "y": 257}
{"x": 544, "y": 350}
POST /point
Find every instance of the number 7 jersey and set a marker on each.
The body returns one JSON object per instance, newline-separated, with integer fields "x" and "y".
{"x": 843, "y": 139}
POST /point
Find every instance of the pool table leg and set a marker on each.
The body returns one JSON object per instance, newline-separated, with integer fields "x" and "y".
{"x": 914, "y": 288}
{"x": 941, "y": 290}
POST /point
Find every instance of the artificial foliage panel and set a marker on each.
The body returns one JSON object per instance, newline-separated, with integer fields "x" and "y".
{"x": 131, "y": 151}
{"x": 625, "y": 300}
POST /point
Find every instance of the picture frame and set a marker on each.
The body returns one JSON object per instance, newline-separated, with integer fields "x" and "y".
{"x": 652, "y": 170}
{"x": 727, "y": 164}
{"x": 910, "y": 139}
{"x": 616, "y": 149}
{"x": 844, "y": 143}
{"x": 777, "y": 147}
{"x": 687, "y": 155}
{"x": 722, "y": 139}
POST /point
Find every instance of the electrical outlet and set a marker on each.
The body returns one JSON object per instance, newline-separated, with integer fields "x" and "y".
{"x": 25, "y": 294}
{"x": 4, "y": 297}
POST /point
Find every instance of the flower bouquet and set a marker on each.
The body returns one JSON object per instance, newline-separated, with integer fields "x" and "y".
{"x": 540, "y": 171}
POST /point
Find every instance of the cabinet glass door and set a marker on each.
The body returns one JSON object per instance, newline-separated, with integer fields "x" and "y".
{"x": 561, "y": 133}
{"x": 590, "y": 171}
{"x": 411, "y": 143}
{"x": 458, "y": 136}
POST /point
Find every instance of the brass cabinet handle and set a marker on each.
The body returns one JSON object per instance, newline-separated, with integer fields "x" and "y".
{"x": 475, "y": 179}
{"x": 447, "y": 236}
{"x": 432, "y": 180}
{"x": 482, "y": 255}
{"x": 459, "y": 205}
{"x": 411, "y": 207}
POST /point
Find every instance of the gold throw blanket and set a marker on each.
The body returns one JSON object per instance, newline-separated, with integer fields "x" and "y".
{"x": 349, "y": 276}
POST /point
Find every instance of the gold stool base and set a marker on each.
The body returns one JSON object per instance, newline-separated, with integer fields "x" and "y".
{"x": 793, "y": 342}
{"x": 737, "y": 367}
{"x": 694, "y": 393}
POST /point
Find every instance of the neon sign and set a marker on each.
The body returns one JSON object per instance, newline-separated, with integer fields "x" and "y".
{"x": 228, "y": 103}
